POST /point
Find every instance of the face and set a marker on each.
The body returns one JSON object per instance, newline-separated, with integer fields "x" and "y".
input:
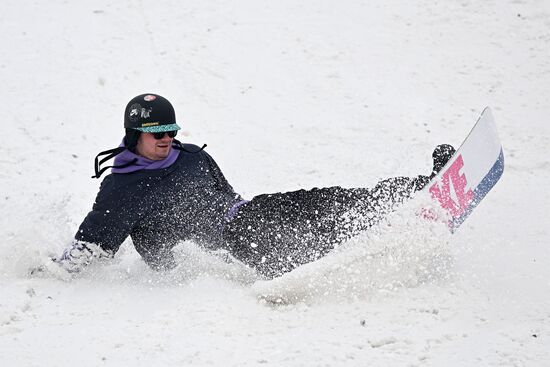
{"x": 154, "y": 149}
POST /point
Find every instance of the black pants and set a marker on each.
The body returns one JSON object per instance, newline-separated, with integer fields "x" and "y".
{"x": 275, "y": 233}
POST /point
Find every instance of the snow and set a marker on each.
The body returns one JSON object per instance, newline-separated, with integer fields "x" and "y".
{"x": 287, "y": 95}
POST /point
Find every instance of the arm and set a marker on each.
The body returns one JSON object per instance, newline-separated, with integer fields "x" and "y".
{"x": 104, "y": 229}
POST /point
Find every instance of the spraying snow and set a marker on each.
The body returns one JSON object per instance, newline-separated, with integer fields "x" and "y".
{"x": 287, "y": 95}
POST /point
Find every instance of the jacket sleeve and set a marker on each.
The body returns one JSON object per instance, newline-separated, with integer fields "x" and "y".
{"x": 112, "y": 218}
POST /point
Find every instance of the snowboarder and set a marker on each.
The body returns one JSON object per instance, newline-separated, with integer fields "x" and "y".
{"x": 161, "y": 192}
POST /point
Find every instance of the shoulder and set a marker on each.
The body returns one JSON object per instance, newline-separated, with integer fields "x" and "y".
{"x": 119, "y": 183}
{"x": 192, "y": 152}
{"x": 112, "y": 185}
{"x": 192, "y": 149}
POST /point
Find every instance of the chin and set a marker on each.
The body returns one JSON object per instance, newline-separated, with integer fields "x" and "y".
{"x": 163, "y": 154}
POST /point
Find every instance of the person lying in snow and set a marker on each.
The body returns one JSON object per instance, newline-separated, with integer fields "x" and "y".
{"x": 161, "y": 192}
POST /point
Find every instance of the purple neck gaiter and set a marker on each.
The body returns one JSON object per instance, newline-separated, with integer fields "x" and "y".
{"x": 142, "y": 162}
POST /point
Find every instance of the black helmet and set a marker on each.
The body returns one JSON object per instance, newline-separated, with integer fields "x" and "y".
{"x": 150, "y": 113}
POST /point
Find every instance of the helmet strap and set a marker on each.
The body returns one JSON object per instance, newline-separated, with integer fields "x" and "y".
{"x": 109, "y": 154}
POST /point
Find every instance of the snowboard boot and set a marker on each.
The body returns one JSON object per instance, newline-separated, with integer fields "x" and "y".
{"x": 441, "y": 155}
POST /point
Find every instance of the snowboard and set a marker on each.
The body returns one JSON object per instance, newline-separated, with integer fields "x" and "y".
{"x": 471, "y": 172}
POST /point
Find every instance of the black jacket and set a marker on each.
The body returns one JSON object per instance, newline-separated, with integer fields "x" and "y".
{"x": 158, "y": 208}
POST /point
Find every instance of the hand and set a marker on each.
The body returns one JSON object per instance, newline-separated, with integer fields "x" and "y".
{"x": 80, "y": 255}
{"x": 73, "y": 260}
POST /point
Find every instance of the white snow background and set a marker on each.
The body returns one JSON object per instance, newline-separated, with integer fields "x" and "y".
{"x": 288, "y": 95}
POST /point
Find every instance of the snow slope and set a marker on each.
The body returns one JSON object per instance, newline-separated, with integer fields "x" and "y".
{"x": 287, "y": 95}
